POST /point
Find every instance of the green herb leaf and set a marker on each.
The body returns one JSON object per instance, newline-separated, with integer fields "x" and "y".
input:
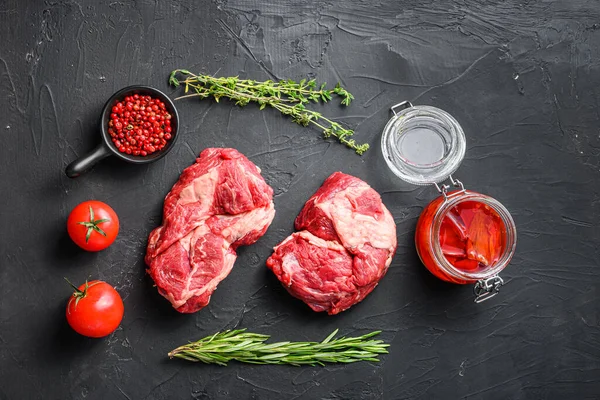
{"x": 242, "y": 346}
{"x": 286, "y": 96}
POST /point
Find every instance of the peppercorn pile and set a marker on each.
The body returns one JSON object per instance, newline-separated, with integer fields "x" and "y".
{"x": 139, "y": 125}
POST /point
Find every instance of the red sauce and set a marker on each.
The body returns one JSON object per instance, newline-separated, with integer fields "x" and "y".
{"x": 472, "y": 237}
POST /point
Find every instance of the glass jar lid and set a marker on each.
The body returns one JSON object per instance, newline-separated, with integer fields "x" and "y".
{"x": 422, "y": 145}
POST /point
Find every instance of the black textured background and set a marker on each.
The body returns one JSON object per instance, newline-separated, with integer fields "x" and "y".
{"x": 522, "y": 77}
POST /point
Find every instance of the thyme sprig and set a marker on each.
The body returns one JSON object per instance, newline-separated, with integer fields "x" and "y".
{"x": 286, "y": 96}
{"x": 251, "y": 348}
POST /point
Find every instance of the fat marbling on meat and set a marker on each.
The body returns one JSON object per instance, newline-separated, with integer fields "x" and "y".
{"x": 218, "y": 204}
{"x": 344, "y": 245}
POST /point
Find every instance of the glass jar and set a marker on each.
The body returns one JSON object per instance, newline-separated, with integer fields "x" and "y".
{"x": 462, "y": 236}
{"x": 430, "y": 244}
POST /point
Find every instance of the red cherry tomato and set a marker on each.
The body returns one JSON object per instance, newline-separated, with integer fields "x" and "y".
{"x": 95, "y": 309}
{"x": 93, "y": 225}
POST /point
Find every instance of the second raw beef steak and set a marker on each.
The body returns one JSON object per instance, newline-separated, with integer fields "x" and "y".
{"x": 344, "y": 245}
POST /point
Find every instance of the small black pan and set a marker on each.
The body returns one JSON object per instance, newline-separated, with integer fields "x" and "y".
{"x": 107, "y": 148}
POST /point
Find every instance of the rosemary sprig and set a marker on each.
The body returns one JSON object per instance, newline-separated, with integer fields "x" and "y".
{"x": 286, "y": 96}
{"x": 246, "y": 347}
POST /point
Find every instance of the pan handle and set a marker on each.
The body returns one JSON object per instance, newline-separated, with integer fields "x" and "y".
{"x": 86, "y": 162}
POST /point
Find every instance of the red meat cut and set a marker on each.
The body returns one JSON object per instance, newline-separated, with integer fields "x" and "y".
{"x": 344, "y": 246}
{"x": 219, "y": 203}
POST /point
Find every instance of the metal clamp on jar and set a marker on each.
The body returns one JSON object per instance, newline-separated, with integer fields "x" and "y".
{"x": 462, "y": 236}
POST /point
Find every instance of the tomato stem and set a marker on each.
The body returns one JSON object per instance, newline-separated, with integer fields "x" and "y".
{"x": 92, "y": 225}
{"x": 78, "y": 294}
{"x": 73, "y": 286}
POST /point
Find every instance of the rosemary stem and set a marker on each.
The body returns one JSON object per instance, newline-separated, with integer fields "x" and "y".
{"x": 241, "y": 346}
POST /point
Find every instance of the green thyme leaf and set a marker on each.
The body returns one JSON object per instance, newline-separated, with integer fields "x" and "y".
{"x": 286, "y": 96}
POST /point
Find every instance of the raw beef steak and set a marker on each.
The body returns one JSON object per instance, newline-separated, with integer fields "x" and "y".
{"x": 344, "y": 246}
{"x": 219, "y": 203}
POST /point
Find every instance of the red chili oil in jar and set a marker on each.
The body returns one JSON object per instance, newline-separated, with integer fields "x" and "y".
{"x": 462, "y": 236}
{"x": 465, "y": 236}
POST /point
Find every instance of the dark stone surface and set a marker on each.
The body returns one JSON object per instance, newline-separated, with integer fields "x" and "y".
{"x": 522, "y": 77}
